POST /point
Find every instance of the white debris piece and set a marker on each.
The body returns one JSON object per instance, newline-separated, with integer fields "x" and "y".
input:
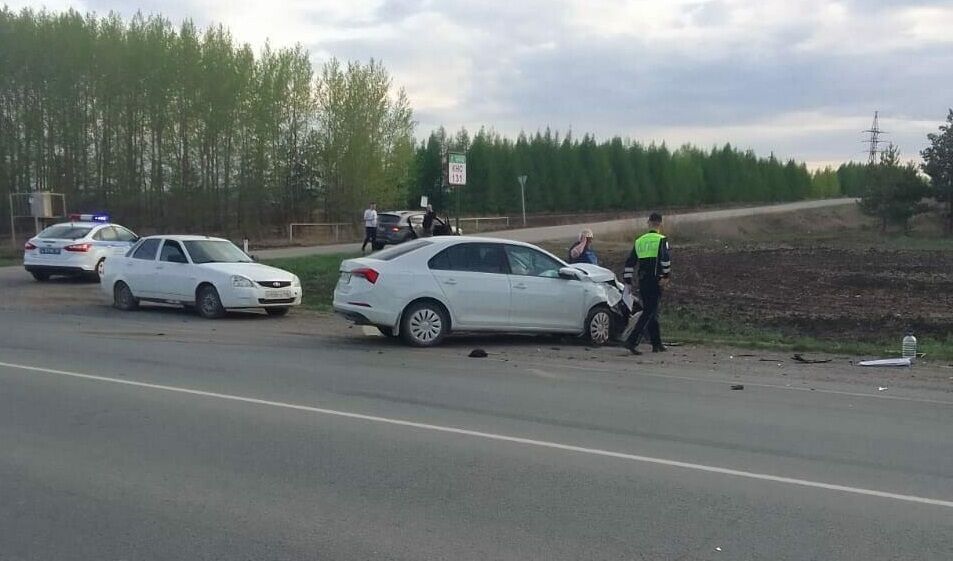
{"x": 886, "y": 362}
{"x": 628, "y": 297}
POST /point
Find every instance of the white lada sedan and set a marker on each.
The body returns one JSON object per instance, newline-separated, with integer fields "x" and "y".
{"x": 211, "y": 274}
{"x": 422, "y": 290}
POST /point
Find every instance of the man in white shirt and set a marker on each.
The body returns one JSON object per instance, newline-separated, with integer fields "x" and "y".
{"x": 370, "y": 226}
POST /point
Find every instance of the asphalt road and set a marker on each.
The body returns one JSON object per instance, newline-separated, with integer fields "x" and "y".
{"x": 571, "y": 231}
{"x": 157, "y": 435}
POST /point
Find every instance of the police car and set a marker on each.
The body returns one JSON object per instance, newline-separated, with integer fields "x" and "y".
{"x": 79, "y": 247}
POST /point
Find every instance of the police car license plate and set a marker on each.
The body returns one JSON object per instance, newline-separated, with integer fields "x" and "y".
{"x": 49, "y": 251}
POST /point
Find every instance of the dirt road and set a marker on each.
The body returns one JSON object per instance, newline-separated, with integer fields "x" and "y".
{"x": 568, "y": 232}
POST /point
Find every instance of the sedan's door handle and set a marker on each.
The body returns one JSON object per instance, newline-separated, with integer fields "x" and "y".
{"x": 451, "y": 282}
{"x": 520, "y": 286}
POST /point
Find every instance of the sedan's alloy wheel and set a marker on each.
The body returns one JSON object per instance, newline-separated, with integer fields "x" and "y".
{"x": 600, "y": 327}
{"x": 425, "y": 325}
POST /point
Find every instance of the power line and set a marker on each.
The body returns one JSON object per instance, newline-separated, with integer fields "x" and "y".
{"x": 874, "y": 140}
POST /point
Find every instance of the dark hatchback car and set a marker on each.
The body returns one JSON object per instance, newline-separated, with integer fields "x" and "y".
{"x": 399, "y": 226}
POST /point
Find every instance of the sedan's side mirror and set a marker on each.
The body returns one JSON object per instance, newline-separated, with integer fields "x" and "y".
{"x": 570, "y": 273}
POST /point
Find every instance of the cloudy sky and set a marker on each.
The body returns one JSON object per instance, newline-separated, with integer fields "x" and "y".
{"x": 799, "y": 78}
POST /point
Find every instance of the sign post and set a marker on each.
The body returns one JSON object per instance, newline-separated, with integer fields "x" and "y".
{"x": 522, "y": 180}
{"x": 458, "y": 169}
{"x": 457, "y": 176}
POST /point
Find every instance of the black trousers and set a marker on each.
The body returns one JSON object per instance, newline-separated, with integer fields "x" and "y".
{"x": 370, "y": 235}
{"x": 648, "y": 322}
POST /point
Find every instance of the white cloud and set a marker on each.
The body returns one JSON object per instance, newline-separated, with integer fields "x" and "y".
{"x": 434, "y": 78}
{"x": 893, "y": 29}
{"x": 289, "y": 22}
{"x": 793, "y": 77}
{"x": 706, "y": 29}
{"x": 928, "y": 24}
{"x": 803, "y": 135}
{"x": 703, "y": 29}
{"x": 51, "y": 5}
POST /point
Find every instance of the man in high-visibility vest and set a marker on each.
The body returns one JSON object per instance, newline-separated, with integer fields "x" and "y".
{"x": 651, "y": 263}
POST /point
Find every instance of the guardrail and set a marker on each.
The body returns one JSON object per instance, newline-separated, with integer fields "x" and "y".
{"x": 334, "y": 226}
{"x": 476, "y": 221}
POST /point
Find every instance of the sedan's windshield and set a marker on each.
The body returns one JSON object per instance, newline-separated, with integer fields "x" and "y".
{"x": 212, "y": 251}
{"x": 65, "y": 232}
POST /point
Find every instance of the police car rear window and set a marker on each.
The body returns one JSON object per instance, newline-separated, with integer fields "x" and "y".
{"x": 65, "y": 232}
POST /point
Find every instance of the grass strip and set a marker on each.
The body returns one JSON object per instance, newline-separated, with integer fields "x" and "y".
{"x": 318, "y": 273}
{"x": 723, "y": 332}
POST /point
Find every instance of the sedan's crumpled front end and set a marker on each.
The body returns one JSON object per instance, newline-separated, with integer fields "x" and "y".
{"x": 621, "y": 299}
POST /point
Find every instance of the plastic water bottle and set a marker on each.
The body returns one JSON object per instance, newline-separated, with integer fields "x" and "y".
{"x": 909, "y": 346}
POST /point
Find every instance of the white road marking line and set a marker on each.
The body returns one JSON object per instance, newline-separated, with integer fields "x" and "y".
{"x": 497, "y": 437}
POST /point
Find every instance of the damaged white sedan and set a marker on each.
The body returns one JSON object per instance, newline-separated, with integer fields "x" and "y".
{"x": 425, "y": 289}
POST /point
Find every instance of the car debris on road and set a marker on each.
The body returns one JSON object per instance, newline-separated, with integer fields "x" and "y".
{"x": 802, "y": 360}
{"x": 886, "y": 362}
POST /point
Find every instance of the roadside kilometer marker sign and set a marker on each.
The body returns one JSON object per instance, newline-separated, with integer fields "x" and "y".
{"x": 458, "y": 169}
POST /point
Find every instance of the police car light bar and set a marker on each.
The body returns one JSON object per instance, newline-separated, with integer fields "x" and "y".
{"x": 99, "y": 217}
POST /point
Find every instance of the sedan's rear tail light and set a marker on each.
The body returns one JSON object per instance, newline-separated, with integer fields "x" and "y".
{"x": 28, "y": 246}
{"x": 395, "y": 229}
{"x": 78, "y": 247}
{"x": 366, "y": 272}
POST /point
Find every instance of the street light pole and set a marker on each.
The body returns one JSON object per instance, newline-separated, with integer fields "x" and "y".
{"x": 522, "y": 180}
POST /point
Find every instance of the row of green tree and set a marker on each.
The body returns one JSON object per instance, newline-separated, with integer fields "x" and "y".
{"x": 178, "y": 128}
{"x": 581, "y": 174}
{"x": 172, "y": 128}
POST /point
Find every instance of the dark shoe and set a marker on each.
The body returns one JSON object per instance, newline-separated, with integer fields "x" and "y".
{"x": 659, "y": 348}
{"x": 634, "y": 351}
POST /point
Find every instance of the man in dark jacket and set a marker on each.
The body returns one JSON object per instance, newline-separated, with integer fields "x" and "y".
{"x": 428, "y": 222}
{"x": 651, "y": 262}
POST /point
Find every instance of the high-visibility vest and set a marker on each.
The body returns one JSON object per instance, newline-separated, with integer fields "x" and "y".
{"x": 647, "y": 245}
